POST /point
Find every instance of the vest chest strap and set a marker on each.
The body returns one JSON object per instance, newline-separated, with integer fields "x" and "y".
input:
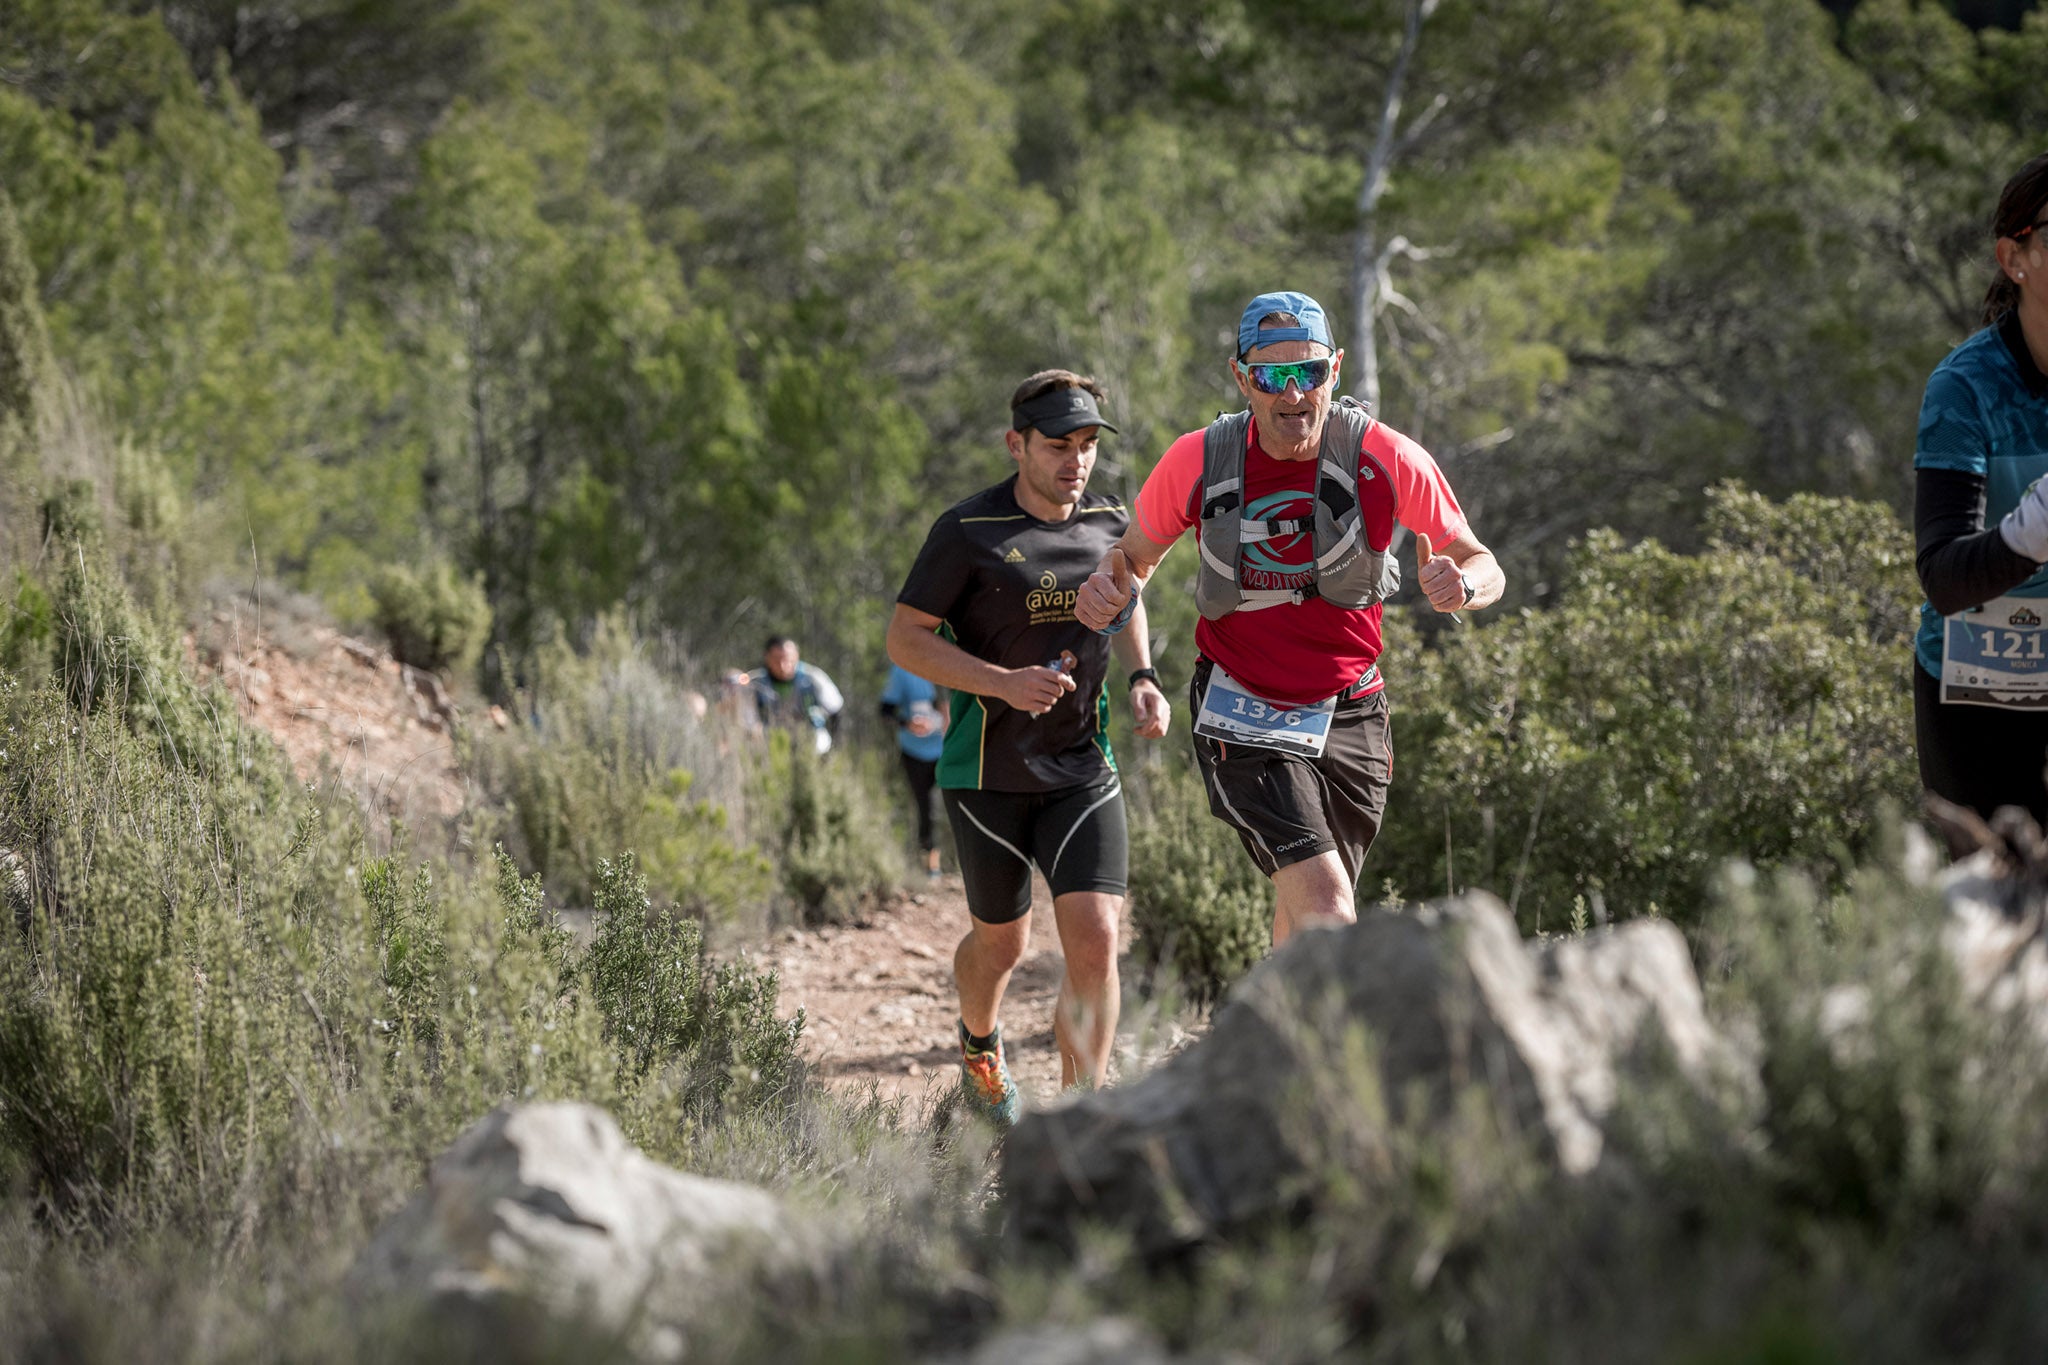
{"x": 1258, "y": 599}
{"x": 1251, "y": 531}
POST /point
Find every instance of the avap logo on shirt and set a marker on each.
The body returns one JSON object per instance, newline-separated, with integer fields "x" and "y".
{"x": 1049, "y": 602}
{"x": 1284, "y": 563}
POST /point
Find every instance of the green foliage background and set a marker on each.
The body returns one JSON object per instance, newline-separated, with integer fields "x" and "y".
{"x": 1668, "y": 712}
{"x": 606, "y": 303}
{"x": 581, "y": 339}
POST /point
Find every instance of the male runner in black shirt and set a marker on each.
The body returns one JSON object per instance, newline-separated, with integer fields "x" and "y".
{"x": 1028, "y": 777}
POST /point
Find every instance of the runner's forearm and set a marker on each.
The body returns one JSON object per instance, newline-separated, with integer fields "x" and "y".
{"x": 1487, "y": 578}
{"x": 1481, "y": 570}
{"x": 1962, "y": 563}
{"x": 1141, "y": 551}
{"x": 920, "y": 650}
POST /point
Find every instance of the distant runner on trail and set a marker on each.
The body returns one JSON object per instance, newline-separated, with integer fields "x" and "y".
{"x": 1027, "y": 772}
{"x": 788, "y": 691}
{"x": 1980, "y": 520}
{"x": 918, "y": 711}
{"x": 1294, "y": 503}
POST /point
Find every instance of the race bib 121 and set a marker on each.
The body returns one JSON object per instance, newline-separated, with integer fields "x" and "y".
{"x": 1997, "y": 655}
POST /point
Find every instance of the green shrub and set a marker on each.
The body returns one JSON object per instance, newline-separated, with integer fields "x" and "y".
{"x": 612, "y": 757}
{"x": 411, "y": 945}
{"x": 148, "y": 1015}
{"x": 833, "y": 845}
{"x": 27, "y": 368}
{"x": 203, "y": 1030}
{"x": 569, "y": 806}
{"x": 1670, "y": 712}
{"x": 666, "y": 1004}
{"x": 527, "y": 917}
{"x": 1891, "y": 1101}
{"x": 113, "y": 655}
{"x": 30, "y": 630}
{"x": 693, "y": 855}
{"x": 207, "y": 1013}
{"x": 1199, "y": 906}
{"x": 434, "y": 618}
{"x": 221, "y": 1016}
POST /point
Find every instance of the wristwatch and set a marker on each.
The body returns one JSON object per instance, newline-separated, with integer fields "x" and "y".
{"x": 1466, "y": 584}
{"x": 1139, "y": 675}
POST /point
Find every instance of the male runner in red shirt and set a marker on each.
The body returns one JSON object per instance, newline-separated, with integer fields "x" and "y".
{"x": 1291, "y": 725}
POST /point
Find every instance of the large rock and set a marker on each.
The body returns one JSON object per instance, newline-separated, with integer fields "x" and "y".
{"x": 541, "y": 1215}
{"x": 1225, "y": 1134}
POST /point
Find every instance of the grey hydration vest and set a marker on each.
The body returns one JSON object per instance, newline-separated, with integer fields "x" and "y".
{"x": 1348, "y": 571}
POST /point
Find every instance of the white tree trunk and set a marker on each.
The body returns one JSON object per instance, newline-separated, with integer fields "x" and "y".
{"x": 1366, "y": 266}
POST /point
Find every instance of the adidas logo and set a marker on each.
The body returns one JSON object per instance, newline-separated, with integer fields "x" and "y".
{"x": 1016, "y": 556}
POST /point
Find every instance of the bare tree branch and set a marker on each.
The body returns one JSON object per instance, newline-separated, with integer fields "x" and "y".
{"x": 1368, "y": 271}
{"x": 1420, "y": 126}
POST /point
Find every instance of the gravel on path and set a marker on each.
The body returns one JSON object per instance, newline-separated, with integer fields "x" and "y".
{"x": 879, "y": 1002}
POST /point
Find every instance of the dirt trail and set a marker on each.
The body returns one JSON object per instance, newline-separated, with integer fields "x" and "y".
{"x": 879, "y": 1003}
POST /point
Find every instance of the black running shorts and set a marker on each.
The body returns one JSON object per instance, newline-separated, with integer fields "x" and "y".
{"x": 1287, "y": 808}
{"x": 1982, "y": 757}
{"x": 1075, "y": 835}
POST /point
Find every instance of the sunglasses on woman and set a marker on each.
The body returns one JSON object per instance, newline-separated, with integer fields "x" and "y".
{"x": 1305, "y": 375}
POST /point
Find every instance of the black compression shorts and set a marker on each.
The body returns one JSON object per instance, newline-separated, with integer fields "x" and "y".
{"x": 1076, "y": 836}
{"x": 1288, "y": 808}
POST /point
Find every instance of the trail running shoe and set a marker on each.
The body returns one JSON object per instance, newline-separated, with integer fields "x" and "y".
{"x": 985, "y": 1081}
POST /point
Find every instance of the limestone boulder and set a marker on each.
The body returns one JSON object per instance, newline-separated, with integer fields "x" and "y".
{"x": 1448, "y": 998}
{"x": 545, "y": 1216}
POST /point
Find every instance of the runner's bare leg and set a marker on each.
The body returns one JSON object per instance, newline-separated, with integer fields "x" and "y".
{"x": 1313, "y": 893}
{"x": 982, "y": 965}
{"x": 1084, "y": 1017}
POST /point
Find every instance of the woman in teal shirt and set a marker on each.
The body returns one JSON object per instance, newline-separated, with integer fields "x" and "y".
{"x": 919, "y": 711}
{"x": 1980, "y": 520}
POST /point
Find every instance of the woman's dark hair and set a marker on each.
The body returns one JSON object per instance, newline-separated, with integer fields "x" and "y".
{"x": 2019, "y": 205}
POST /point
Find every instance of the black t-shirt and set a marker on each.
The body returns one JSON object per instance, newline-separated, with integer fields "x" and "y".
{"x": 1004, "y": 583}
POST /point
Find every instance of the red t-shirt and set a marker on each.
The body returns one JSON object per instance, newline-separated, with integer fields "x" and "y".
{"x": 1299, "y": 653}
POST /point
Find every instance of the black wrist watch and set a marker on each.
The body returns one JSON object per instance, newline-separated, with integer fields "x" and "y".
{"x": 1466, "y": 584}
{"x": 1139, "y": 675}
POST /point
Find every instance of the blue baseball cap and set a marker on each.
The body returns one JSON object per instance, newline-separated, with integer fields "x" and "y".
{"x": 1314, "y": 326}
